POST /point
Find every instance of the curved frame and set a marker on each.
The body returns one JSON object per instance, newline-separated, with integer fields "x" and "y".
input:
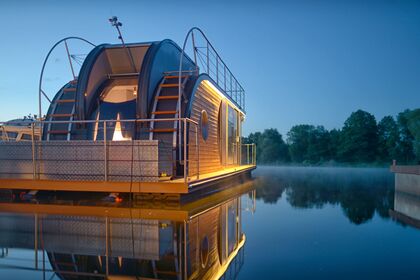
{"x": 40, "y": 91}
{"x": 191, "y": 33}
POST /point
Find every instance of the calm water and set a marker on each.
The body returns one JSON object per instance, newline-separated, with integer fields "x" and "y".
{"x": 321, "y": 223}
{"x": 289, "y": 223}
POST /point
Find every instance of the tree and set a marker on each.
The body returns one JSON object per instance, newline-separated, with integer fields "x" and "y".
{"x": 271, "y": 147}
{"x": 388, "y": 137}
{"x": 274, "y": 149}
{"x": 405, "y": 152}
{"x": 414, "y": 128}
{"x": 298, "y": 141}
{"x": 334, "y": 142}
{"x": 359, "y": 138}
{"x": 308, "y": 143}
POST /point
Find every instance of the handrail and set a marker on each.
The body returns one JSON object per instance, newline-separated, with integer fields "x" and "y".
{"x": 99, "y": 121}
{"x": 235, "y": 86}
{"x": 40, "y": 91}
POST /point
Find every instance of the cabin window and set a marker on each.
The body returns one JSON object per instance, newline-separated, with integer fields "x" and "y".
{"x": 233, "y": 136}
{"x": 204, "y": 125}
{"x": 204, "y": 251}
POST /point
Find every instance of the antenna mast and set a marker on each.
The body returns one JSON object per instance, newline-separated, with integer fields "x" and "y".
{"x": 114, "y": 22}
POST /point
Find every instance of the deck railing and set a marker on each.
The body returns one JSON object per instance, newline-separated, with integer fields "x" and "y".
{"x": 207, "y": 60}
{"x": 248, "y": 154}
{"x": 112, "y": 155}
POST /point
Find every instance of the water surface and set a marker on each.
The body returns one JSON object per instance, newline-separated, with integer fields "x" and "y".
{"x": 287, "y": 223}
{"x": 329, "y": 223}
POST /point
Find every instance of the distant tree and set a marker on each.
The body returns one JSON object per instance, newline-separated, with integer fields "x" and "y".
{"x": 359, "y": 138}
{"x": 405, "y": 145}
{"x": 388, "y": 137}
{"x": 334, "y": 142}
{"x": 414, "y": 128}
{"x": 271, "y": 147}
{"x": 308, "y": 143}
{"x": 298, "y": 141}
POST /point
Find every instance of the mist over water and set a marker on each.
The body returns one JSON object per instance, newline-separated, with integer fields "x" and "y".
{"x": 328, "y": 223}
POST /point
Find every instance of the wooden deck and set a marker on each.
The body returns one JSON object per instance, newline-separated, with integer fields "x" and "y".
{"x": 177, "y": 186}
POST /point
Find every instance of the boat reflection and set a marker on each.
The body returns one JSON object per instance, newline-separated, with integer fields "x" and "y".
{"x": 201, "y": 239}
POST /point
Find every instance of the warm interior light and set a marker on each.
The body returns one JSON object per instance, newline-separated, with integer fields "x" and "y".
{"x": 118, "y": 132}
{"x": 135, "y": 91}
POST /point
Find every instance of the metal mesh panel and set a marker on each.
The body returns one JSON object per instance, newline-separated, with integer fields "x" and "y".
{"x": 82, "y": 160}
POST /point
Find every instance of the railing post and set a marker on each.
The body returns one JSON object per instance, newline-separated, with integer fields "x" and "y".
{"x": 224, "y": 73}
{"x": 217, "y": 70}
{"x": 247, "y": 154}
{"x": 185, "y": 151}
{"x": 33, "y": 151}
{"x": 105, "y": 155}
{"x": 194, "y": 51}
{"x": 197, "y": 151}
{"x": 208, "y": 59}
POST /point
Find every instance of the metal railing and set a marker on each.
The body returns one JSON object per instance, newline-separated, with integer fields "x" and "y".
{"x": 41, "y": 92}
{"x": 111, "y": 155}
{"x": 213, "y": 65}
{"x": 248, "y": 154}
{"x": 118, "y": 150}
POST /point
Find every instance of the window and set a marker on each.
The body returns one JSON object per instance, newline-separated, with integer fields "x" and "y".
{"x": 232, "y": 156}
{"x": 204, "y": 124}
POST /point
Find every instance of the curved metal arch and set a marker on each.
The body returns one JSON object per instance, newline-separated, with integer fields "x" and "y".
{"x": 40, "y": 91}
{"x": 191, "y": 33}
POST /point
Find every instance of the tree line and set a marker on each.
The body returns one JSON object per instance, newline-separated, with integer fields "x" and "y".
{"x": 361, "y": 140}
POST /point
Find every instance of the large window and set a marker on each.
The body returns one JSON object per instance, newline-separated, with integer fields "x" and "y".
{"x": 233, "y": 136}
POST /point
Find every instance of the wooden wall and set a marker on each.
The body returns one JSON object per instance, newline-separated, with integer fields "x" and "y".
{"x": 205, "y": 99}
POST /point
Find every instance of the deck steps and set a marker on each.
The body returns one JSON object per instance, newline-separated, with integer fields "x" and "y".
{"x": 164, "y": 113}
{"x": 62, "y": 109}
{"x": 167, "y": 97}
{"x": 163, "y": 130}
{"x": 65, "y": 101}
{"x": 169, "y": 85}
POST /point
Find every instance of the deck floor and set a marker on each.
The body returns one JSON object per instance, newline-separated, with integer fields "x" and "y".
{"x": 177, "y": 186}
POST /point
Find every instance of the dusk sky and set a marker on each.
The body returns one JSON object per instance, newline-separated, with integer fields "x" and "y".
{"x": 311, "y": 62}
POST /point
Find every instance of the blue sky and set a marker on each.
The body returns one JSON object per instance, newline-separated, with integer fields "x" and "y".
{"x": 310, "y": 62}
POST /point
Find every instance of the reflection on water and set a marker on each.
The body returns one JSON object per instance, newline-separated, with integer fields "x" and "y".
{"x": 331, "y": 223}
{"x": 202, "y": 239}
{"x": 310, "y": 223}
{"x": 359, "y": 192}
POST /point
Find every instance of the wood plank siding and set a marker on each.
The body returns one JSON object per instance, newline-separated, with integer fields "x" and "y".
{"x": 205, "y": 99}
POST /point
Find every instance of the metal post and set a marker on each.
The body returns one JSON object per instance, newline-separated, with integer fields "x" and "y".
{"x": 208, "y": 59}
{"x": 194, "y": 51}
{"x": 114, "y": 22}
{"x": 217, "y": 70}
{"x": 247, "y": 154}
{"x": 71, "y": 64}
{"x": 185, "y": 151}
{"x": 33, "y": 150}
{"x": 185, "y": 250}
{"x": 106, "y": 245}
{"x": 224, "y": 70}
{"x": 36, "y": 241}
{"x": 105, "y": 155}
{"x": 197, "y": 151}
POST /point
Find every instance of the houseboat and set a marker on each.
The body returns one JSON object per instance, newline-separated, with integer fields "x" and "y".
{"x": 150, "y": 117}
{"x": 203, "y": 239}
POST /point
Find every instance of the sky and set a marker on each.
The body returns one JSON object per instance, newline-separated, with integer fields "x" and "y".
{"x": 300, "y": 62}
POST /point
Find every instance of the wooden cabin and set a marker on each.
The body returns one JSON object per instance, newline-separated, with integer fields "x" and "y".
{"x": 138, "y": 117}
